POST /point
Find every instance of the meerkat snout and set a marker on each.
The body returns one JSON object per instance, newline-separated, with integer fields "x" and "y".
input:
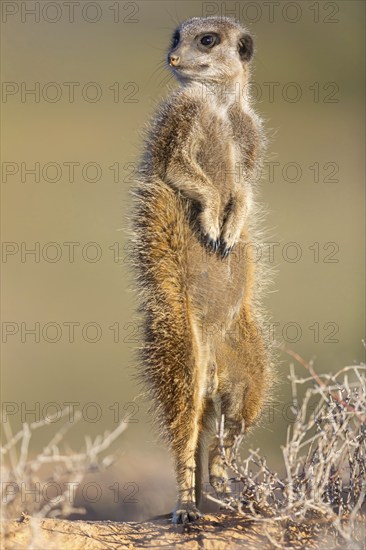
{"x": 174, "y": 60}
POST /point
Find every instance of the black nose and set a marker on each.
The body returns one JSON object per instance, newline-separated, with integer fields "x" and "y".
{"x": 174, "y": 60}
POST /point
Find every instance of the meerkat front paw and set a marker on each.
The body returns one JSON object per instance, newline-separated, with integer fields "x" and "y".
{"x": 210, "y": 227}
{"x": 230, "y": 235}
{"x": 185, "y": 512}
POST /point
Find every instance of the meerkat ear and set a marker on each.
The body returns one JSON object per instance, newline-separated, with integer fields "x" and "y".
{"x": 246, "y": 47}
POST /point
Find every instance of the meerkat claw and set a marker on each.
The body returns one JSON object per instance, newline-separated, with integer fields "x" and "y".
{"x": 226, "y": 251}
{"x": 212, "y": 244}
{"x": 186, "y": 515}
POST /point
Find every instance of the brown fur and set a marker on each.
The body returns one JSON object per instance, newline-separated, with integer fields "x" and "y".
{"x": 203, "y": 355}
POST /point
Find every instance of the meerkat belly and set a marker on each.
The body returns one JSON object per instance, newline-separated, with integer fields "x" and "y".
{"x": 216, "y": 287}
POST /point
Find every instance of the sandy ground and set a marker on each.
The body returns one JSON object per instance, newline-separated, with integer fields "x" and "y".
{"x": 214, "y": 532}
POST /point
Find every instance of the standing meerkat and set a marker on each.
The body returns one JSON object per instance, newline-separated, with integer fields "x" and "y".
{"x": 204, "y": 356}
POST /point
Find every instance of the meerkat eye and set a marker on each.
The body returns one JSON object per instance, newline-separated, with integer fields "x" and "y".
{"x": 208, "y": 40}
{"x": 176, "y": 39}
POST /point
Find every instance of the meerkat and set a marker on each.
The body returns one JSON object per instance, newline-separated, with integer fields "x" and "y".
{"x": 204, "y": 356}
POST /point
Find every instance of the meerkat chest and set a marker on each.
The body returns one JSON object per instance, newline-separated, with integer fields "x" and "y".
{"x": 219, "y": 153}
{"x": 220, "y": 118}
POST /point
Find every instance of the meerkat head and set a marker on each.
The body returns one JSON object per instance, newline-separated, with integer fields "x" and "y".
{"x": 210, "y": 49}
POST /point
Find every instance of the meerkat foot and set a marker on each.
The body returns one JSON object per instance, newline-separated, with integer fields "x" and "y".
{"x": 185, "y": 512}
{"x": 220, "y": 485}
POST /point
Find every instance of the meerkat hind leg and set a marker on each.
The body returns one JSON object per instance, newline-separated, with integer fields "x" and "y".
{"x": 185, "y": 462}
{"x": 186, "y": 509}
{"x": 220, "y": 452}
{"x": 206, "y": 431}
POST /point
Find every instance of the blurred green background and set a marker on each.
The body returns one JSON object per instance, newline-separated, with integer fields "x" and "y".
{"x": 309, "y": 54}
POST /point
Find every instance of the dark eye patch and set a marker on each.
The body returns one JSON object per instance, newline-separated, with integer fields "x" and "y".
{"x": 175, "y": 40}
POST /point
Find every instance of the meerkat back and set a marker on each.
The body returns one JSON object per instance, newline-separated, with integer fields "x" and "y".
{"x": 203, "y": 355}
